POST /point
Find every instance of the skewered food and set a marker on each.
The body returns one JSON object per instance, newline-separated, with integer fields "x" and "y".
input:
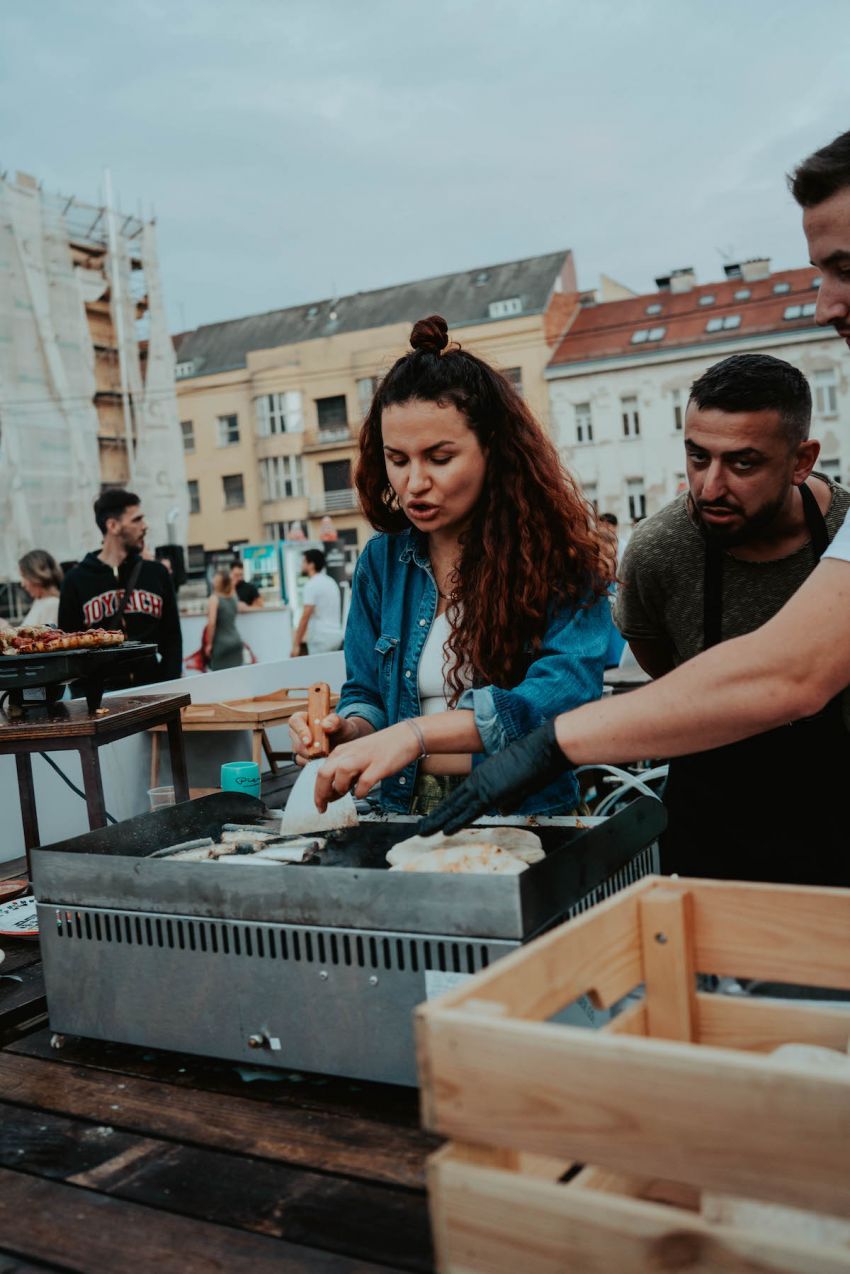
{"x": 32, "y": 639}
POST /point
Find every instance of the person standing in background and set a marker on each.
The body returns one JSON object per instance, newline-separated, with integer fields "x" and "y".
{"x": 41, "y": 578}
{"x": 222, "y": 642}
{"x": 321, "y": 619}
{"x": 247, "y": 595}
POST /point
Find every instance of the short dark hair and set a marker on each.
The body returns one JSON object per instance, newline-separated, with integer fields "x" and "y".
{"x": 610, "y": 518}
{"x": 316, "y": 556}
{"x": 758, "y": 382}
{"x": 823, "y": 174}
{"x": 111, "y": 504}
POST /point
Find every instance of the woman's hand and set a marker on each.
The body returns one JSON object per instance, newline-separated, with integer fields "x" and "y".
{"x": 357, "y": 767}
{"x": 338, "y": 729}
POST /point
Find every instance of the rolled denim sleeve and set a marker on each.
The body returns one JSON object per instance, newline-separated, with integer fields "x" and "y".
{"x": 566, "y": 673}
{"x": 361, "y": 696}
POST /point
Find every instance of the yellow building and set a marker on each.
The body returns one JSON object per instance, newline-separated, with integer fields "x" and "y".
{"x": 271, "y": 404}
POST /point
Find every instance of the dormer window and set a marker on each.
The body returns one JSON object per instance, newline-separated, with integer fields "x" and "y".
{"x": 504, "y": 309}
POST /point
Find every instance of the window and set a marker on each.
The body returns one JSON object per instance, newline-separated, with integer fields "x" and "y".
{"x": 779, "y": 288}
{"x": 631, "y": 417}
{"x": 194, "y": 496}
{"x": 723, "y": 324}
{"x": 228, "y": 430}
{"x": 826, "y": 393}
{"x": 312, "y": 311}
{"x": 196, "y": 558}
{"x": 234, "y": 490}
{"x": 678, "y": 410}
{"x": 348, "y": 537}
{"x": 182, "y": 370}
{"x": 708, "y": 299}
{"x": 743, "y": 294}
{"x": 648, "y": 334}
{"x": 333, "y": 414}
{"x": 281, "y": 477}
{"x": 336, "y": 475}
{"x": 188, "y": 431}
{"x": 832, "y": 469}
{"x": 590, "y": 494}
{"x": 504, "y": 309}
{"x": 279, "y": 414}
{"x": 481, "y": 277}
{"x": 655, "y": 308}
{"x": 640, "y": 336}
{"x": 800, "y": 311}
{"x": 366, "y": 387}
{"x": 584, "y": 423}
{"x": 636, "y": 498}
{"x": 514, "y": 375}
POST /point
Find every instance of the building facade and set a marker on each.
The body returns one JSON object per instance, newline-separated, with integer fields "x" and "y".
{"x": 271, "y": 405}
{"x": 620, "y": 377}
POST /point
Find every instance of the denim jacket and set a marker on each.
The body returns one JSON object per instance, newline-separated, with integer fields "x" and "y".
{"x": 393, "y": 604}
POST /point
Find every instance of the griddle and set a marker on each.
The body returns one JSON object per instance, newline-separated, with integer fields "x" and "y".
{"x": 37, "y": 681}
{"x": 315, "y": 966}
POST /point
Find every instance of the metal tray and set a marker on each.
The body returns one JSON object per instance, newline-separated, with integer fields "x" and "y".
{"x": 21, "y": 675}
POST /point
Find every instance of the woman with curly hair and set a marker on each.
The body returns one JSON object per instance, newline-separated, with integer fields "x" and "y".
{"x": 480, "y": 609}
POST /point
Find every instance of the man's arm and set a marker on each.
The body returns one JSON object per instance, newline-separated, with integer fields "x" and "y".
{"x": 300, "y": 631}
{"x": 70, "y": 611}
{"x": 170, "y": 640}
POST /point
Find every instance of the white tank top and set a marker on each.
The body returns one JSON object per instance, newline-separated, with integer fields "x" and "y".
{"x": 433, "y": 669}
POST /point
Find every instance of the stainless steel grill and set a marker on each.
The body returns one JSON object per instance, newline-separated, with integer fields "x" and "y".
{"x": 313, "y": 967}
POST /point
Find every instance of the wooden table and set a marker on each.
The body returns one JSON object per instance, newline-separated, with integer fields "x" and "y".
{"x": 125, "y": 1159}
{"x": 71, "y": 726}
{"x": 257, "y": 715}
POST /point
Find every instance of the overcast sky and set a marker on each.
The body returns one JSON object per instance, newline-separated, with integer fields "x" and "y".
{"x": 293, "y": 149}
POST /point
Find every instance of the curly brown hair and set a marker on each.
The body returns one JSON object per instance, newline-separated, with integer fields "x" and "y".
{"x": 531, "y": 546}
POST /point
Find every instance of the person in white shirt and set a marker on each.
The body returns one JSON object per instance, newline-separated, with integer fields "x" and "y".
{"x": 41, "y": 578}
{"x": 321, "y": 619}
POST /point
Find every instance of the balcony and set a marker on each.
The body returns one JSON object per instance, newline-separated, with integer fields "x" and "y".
{"x": 333, "y": 502}
{"x": 331, "y": 436}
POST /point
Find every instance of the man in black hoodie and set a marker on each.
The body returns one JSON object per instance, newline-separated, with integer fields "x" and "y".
{"x": 93, "y": 591}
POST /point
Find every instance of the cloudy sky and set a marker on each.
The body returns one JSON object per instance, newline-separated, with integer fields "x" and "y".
{"x": 293, "y": 149}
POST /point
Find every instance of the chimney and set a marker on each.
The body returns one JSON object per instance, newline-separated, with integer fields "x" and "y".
{"x": 757, "y": 268}
{"x": 677, "y": 280}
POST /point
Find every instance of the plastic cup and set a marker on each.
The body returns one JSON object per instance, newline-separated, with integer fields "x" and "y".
{"x": 159, "y": 796}
{"x": 241, "y": 776}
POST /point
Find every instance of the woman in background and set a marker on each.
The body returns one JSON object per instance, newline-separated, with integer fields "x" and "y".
{"x": 222, "y": 642}
{"x": 41, "y": 578}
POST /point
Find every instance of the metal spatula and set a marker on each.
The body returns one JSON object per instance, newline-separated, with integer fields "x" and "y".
{"x": 300, "y": 815}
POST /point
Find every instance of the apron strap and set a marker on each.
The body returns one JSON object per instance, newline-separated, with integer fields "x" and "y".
{"x": 712, "y": 621}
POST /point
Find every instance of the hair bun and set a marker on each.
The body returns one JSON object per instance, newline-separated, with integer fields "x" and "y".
{"x": 431, "y": 334}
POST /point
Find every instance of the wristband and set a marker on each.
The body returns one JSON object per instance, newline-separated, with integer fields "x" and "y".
{"x": 420, "y": 738}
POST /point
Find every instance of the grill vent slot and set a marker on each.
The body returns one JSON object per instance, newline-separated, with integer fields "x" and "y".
{"x": 279, "y": 943}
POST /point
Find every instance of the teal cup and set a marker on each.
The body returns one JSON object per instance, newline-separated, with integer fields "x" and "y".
{"x": 241, "y": 776}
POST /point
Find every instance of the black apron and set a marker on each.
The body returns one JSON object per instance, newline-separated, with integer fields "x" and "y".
{"x": 767, "y": 808}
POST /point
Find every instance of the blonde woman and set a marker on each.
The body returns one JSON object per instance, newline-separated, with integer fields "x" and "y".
{"x": 222, "y": 643}
{"x": 41, "y": 579}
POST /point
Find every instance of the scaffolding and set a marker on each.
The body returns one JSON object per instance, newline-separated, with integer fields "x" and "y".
{"x": 87, "y": 396}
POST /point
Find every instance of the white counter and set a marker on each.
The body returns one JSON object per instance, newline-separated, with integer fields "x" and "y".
{"x": 267, "y": 632}
{"x": 125, "y": 765}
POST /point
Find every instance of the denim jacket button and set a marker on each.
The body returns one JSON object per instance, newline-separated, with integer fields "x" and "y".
{"x": 407, "y": 672}
{"x": 402, "y": 781}
{"x": 422, "y": 623}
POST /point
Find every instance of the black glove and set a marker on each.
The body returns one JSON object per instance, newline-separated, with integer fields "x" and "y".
{"x": 503, "y": 781}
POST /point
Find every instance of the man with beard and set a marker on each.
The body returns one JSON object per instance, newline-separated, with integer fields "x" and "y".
{"x": 118, "y": 587}
{"x": 719, "y": 562}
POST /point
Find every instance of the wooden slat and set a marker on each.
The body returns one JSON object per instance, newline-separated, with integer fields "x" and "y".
{"x": 668, "y": 963}
{"x": 500, "y": 1222}
{"x": 336, "y": 1214}
{"x": 632, "y": 1021}
{"x": 766, "y": 1131}
{"x": 392, "y": 1107}
{"x": 329, "y": 1143}
{"x": 80, "y": 1230}
{"x": 782, "y": 933}
{"x": 20, "y": 1001}
{"x": 747, "y": 1022}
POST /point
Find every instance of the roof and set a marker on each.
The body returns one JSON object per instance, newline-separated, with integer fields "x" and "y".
{"x": 605, "y": 331}
{"x": 461, "y": 299}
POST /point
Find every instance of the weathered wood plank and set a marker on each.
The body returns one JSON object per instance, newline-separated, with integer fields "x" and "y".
{"x": 330, "y": 1143}
{"x": 84, "y": 1231}
{"x": 747, "y": 1022}
{"x": 22, "y": 1000}
{"x": 371, "y": 1222}
{"x": 387, "y": 1104}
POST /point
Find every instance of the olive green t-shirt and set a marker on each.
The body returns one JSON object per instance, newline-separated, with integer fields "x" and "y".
{"x": 661, "y": 589}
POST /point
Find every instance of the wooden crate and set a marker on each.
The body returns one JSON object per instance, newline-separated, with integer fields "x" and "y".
{"x": 674, "y": 1097}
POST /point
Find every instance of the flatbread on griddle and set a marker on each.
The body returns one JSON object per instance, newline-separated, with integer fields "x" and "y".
{"x": 524, "y": 845}
{"x": 469, "y": 859}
